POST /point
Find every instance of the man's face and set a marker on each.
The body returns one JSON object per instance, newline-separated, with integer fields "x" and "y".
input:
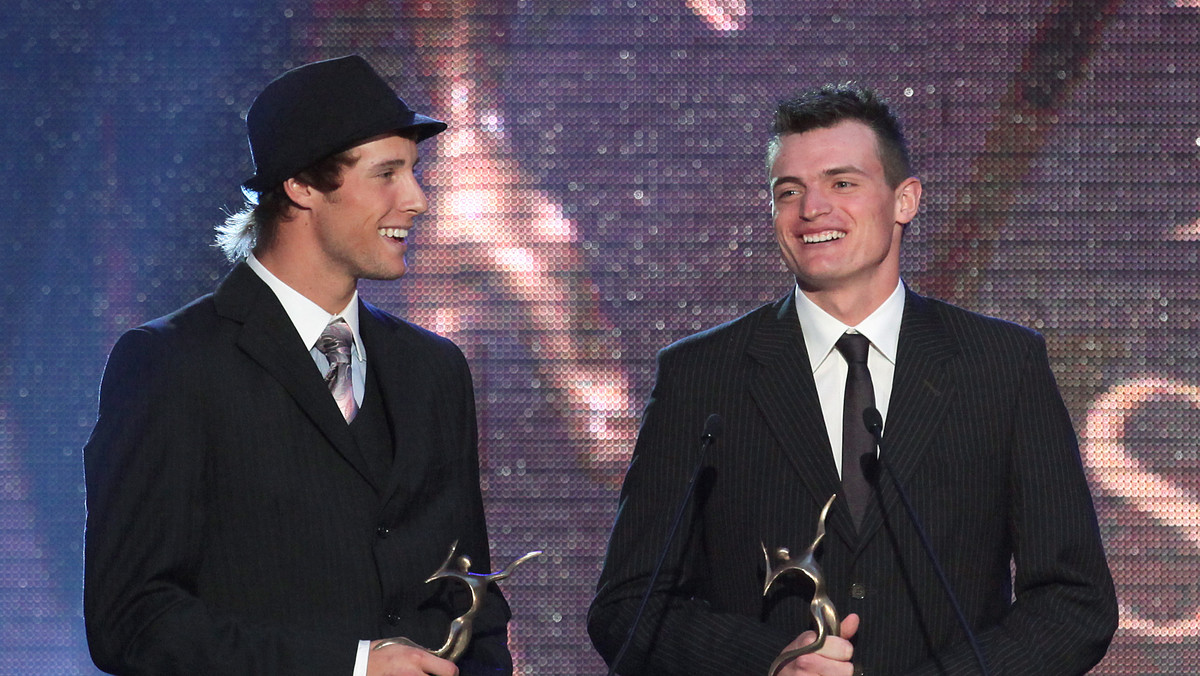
{"x": 361, "y": 228}
{"x": 837, "y": 221}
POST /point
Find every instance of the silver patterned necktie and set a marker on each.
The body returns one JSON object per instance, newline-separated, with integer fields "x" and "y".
{"x": 334, "y": 343}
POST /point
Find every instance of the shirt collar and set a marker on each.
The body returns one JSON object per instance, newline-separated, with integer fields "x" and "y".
{"x": 308, "y": 317}
{"x": 821, "y": 330}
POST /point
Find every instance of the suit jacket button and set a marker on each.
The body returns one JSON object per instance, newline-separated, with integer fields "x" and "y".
{"x": 392, "y": 619}
{"x": 858, "y": 591}
{"x": 382, "y": 531}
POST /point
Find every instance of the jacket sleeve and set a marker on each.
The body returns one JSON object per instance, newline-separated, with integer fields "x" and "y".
{"x": 679, "y": 633}
{"x": 488, "y": 653}
{"x": 145, "y": 479}
{"x": 1065, "y": 609}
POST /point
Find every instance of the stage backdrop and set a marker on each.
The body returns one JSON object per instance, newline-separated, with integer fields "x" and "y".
{"x": 601, "y": 194}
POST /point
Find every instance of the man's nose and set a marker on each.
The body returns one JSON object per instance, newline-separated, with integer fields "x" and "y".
{"x": 412, "y": 198}
{"x": 815, "y": 204}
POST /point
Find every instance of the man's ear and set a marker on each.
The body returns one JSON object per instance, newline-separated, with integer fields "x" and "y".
{"x": 301, "y": 193}
{"x": 908, "y": 199}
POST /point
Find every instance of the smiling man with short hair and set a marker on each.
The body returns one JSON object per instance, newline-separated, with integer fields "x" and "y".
{"x": 976, "y": 432}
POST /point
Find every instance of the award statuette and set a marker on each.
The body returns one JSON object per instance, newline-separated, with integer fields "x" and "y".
{"x": 460, "y": 628}
{"x": 823, "y": 612}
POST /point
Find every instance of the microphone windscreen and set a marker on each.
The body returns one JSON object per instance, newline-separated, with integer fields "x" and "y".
{"x": 713, "y": 426}
{"x": 870, "y": 468}
{"x": 874, "y": 421}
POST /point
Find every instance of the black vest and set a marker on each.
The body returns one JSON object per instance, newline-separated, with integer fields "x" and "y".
{"x": 372, "y": 430}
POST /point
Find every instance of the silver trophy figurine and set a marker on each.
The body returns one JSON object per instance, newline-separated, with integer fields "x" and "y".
{"x": 460, "y": 628}
{"x": 823, "y": 612}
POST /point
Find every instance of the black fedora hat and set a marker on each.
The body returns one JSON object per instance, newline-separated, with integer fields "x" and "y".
{"x": 319, "y": 109}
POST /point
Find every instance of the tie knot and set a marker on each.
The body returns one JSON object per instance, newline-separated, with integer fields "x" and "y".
{"x": 335, "y": 342}
{"x": 854, "y": 347}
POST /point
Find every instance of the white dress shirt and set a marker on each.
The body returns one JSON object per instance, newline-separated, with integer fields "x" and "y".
{"x": 822, "y": 331}
{"x": 310, "y": 320}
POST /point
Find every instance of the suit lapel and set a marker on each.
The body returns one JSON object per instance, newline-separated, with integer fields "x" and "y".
{"x": 784, "y": 389}
{"x": 922, "y": 390}
{"x": 268, "y": 337}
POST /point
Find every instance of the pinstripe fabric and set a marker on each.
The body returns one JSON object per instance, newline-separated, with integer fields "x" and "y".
{"x": 234, "y": 525}
{"x": 979, "y": 436}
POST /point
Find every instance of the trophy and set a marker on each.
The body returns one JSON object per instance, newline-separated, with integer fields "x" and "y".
{"x": 460, "y": 628}
{"x": 823, "y": 612}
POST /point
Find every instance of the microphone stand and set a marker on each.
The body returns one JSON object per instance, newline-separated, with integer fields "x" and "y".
{"x": 874, "y": 422}
{"x": 712, "y": 429}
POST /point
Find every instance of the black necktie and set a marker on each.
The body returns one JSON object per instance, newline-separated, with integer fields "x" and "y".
{"x": 856, "y": 439}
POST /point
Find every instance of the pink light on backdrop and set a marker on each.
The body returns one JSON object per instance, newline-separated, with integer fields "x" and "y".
{"x": 1119, "y": 473}
{"x": 726, "y": 15}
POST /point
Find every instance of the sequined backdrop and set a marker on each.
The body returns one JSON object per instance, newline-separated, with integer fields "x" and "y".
{"x": 601, "y": 195}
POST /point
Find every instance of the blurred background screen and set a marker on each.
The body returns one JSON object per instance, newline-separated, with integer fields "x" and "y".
{"x": 602, "y": 193}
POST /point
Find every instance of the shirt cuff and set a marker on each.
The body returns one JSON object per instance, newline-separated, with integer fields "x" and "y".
{"x": 360, "y": 658}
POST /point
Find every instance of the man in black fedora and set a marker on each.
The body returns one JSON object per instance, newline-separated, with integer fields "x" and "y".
{"x": 277, "y": 467}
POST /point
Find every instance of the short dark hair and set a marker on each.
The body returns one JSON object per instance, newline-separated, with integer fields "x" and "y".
{"x": 255, "y": 225}
{"x": 831, "y": 104}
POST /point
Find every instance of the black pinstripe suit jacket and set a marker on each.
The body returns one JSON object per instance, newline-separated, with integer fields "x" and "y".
{"x": 976, "y": 431}
{"x": 234, "y": 526}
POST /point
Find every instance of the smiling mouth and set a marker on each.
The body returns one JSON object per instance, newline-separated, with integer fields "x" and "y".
{"x": 826, "y": 236}
{"x": 397, "y": 234}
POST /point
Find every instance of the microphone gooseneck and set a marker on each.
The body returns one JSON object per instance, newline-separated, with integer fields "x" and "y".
{"x": 713, "y": 427}
{"x": 874, "y": 423}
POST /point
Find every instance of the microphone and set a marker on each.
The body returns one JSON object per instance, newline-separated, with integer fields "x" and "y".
{"x": 869, "y": 461}
{"x": 874, "y": 423}
{"x": 713, "y": 427}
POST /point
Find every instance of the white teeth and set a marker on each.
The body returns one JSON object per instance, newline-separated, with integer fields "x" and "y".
{"x": 826, "y": 236}
{"x": 394, "y": 233}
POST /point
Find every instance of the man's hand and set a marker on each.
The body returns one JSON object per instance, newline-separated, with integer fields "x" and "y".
{"x": 833, "y": 659}
{"x": 402, "y": 660}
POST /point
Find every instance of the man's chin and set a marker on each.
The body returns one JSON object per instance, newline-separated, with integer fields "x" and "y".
{"x": 386, "y": 275}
